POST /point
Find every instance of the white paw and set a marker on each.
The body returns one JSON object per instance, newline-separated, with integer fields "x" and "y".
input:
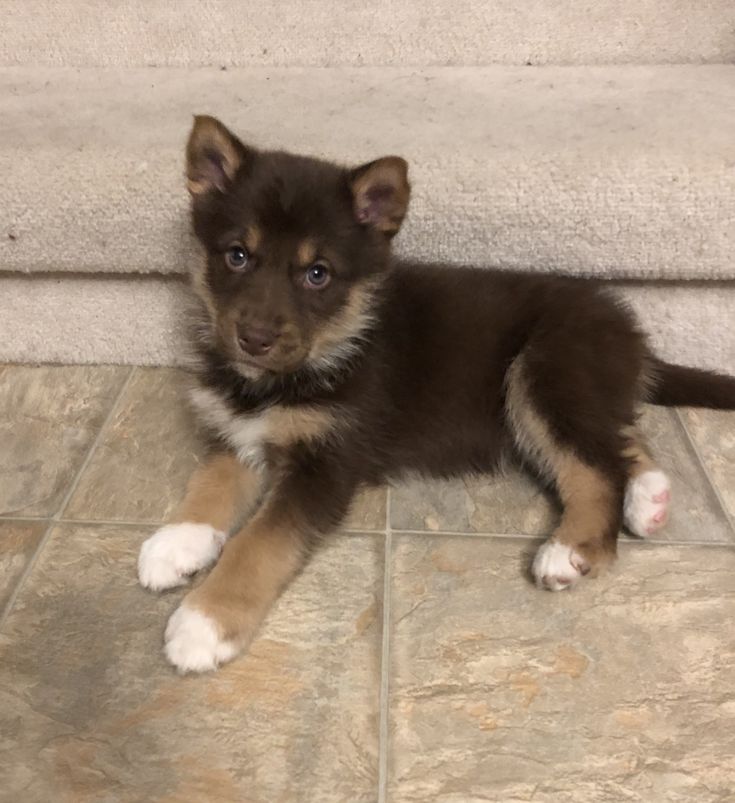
{"x": 646, "y": 504}
{"x": 193, "y": 642}
{"x": 557, "y": 566}
{"x": 176, "y": 551}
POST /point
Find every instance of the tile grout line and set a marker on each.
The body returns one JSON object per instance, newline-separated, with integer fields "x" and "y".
{"x": 705, "y": 470}
{"x": 385, "y": 657}
{"x": 99, "y": 522}
{"x": 635, "y": 542}
{"x": 530, "y": 537}
{"x": 93, "y": 448}
{"x": 52, "y": 521}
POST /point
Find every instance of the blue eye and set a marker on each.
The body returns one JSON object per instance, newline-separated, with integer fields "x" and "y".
{"x": 237, "y": 257}
{"x": 317, "y": 276}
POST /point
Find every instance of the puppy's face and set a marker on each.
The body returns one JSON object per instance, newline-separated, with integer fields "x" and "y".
{"x": 295, "y": 249}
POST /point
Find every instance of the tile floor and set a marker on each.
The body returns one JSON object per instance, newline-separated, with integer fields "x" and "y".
{"x": 412, "y": 661}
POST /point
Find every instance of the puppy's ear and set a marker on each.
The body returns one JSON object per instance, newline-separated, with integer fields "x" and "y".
{"x": 213, "y": 156}
{"x": 380, "y": 192}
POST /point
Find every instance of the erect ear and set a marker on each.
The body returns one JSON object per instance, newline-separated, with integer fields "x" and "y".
{"x": 380, "y": 192}
{"x": 213, "y": 156}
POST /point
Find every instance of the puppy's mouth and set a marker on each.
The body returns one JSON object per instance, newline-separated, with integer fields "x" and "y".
{"x": 269, "y": 364}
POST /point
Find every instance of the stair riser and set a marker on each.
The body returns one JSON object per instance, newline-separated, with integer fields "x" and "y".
{"x": 141, "y": 320}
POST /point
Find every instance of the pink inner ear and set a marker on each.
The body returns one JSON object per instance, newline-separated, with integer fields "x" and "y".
{"x": 214, "y": 170}
{"x": 375, "y": 202}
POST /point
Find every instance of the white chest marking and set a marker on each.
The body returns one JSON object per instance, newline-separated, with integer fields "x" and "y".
{"x": 248, "y": 434}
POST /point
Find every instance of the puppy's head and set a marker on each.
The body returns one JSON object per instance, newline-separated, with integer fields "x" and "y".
{"x": 296, "y": 248}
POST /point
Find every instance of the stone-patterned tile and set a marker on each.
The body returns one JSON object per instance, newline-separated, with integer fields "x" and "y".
{"x": 368, "y": 510}
{"x": 49, "y": 417}
{"x": 713, "y": 433}
{"x": 696, "y": 513}
{"x": 505, "y": 503}
{"x": 622, "y": 689}
{"x": 140, "y": 468}
{"x": 18, "y": 543}
{"x": 514, "y": 504}
{"x": 90, "y": 711}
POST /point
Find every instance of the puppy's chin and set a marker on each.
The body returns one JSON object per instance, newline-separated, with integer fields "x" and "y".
{"x": 248, "y": 370}
{"x": 253, "y": 371}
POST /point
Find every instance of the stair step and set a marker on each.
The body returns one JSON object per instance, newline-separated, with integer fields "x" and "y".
{"x": 140, "y": 320}
{"x": 133, "y": 33}
{"x": 605, "y": 171}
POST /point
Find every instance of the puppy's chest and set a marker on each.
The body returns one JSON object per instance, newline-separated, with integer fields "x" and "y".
{"x": 249, "y": 434}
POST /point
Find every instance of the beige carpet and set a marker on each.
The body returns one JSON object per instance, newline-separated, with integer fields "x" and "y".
{"x": 623, "y": 172}
{"x": 318, "y": 33}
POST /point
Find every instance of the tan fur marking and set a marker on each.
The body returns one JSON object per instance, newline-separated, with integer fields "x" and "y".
{"x": 253, "y": 238}
{"x": 587, "y": 494}
{"x": 306, "y": 253}
{"x": 286, "y": 426}
{"x": 637, "y": 452}
{"x": 589, "y": 507}
{"x": 354, "y": 317}
{"x": 219, "y": 492}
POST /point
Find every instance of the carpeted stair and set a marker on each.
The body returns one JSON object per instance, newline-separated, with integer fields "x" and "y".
{"x": 588, "y": 141}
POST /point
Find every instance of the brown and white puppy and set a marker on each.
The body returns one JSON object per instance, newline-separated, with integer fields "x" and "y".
{"x": 324, "y": 365}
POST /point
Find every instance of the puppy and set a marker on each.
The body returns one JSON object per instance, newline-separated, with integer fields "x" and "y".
{"x": 324, "y": 365}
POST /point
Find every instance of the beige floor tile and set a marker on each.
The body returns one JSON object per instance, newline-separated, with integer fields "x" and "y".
{"x": 713, "y": 433}
{"x": 622, "y": 689}
{"x": 147, "y": 453}
{"x": 696, "y": 513}
{"x": 49, "y": 418}
{"x": 508, "y": 503}
{"x": 514, "y": 504}
{"x": 90, "y": 712}
{"x": 368, "y": 511}
{"x": 18, "y": 542}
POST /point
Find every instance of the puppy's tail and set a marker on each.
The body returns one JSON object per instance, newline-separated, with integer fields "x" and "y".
{"x": 672, "y": 385}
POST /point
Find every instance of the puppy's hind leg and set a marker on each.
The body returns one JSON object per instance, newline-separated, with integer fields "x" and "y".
{"x": 648, "y": 491}
{"x": 591, "y": 494}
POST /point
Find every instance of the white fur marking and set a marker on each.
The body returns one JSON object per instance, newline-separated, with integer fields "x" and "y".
{"x": 246, "y": 433}
{"x": 647, "y": 498}
{"x": 176, "y": 551}
{"x": 557, "y": 566}
{"x": 193, "y": 642}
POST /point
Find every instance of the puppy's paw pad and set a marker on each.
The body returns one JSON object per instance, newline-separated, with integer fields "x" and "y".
{"x": 193, "y": 642}
{"x": 646, "y": 505}
{"x": 174, "y": 552}
{"x": 557, "y": 566}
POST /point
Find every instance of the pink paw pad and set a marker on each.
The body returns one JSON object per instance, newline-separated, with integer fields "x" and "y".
{"x": 646, "y": 504}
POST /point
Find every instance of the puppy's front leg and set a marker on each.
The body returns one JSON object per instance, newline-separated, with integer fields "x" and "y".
{"x": 219, "y": 618}
{"x": 220, "y": 490}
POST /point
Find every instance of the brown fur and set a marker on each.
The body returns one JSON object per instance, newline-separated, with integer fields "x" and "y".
{"x": 255, "y": 565}
{"x": 637, "y": 453}
{"x": 373, "y": 367}
{"x": 591, "y": 500}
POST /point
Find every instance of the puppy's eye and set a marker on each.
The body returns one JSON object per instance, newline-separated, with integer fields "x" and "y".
{"x": 317, "y": 276}
{"x": 237, "y": 257}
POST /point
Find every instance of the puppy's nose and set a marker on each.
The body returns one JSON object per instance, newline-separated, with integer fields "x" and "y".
{"x": 256, "y": 340}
